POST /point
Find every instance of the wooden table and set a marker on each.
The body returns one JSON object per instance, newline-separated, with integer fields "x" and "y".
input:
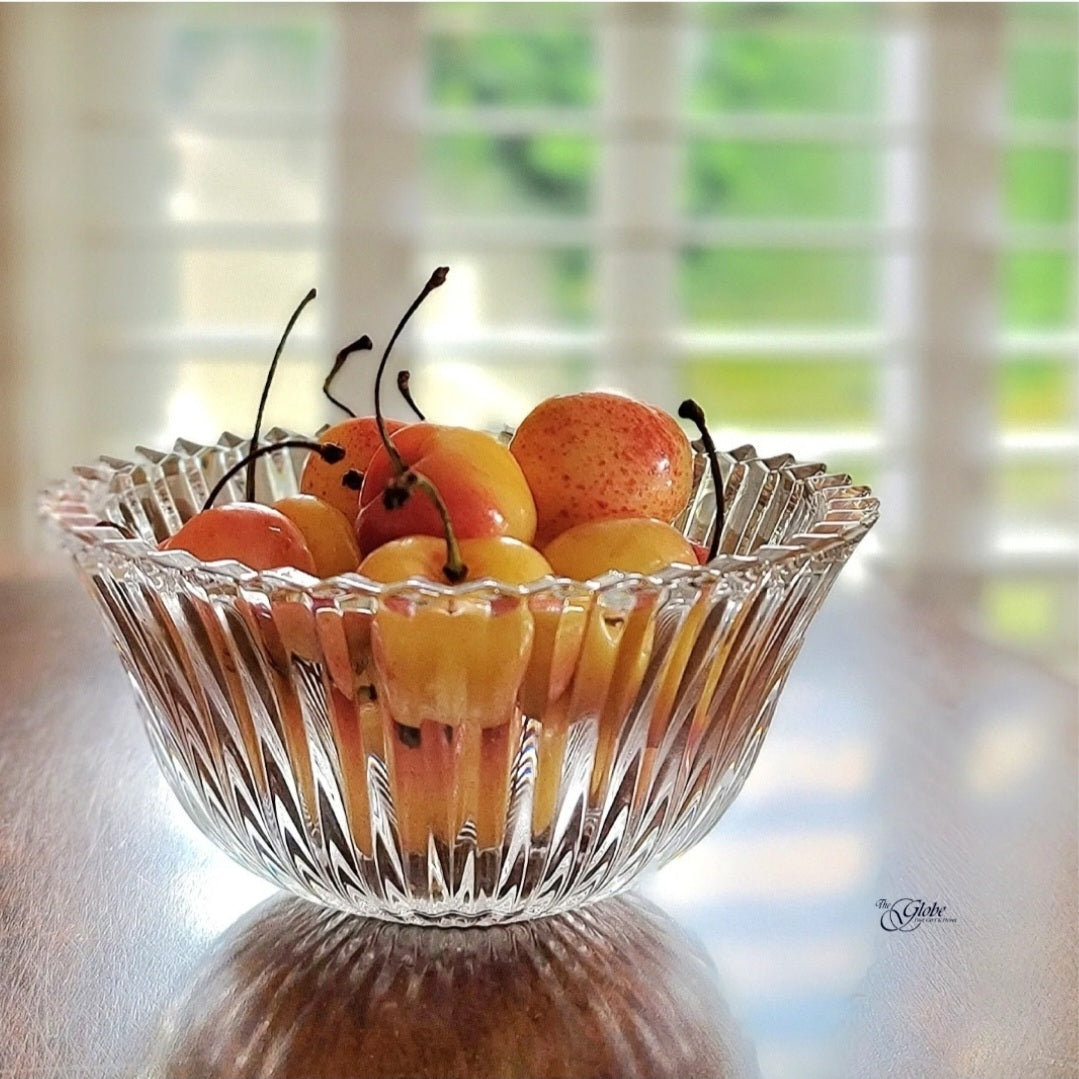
{"x": 907, "y": 763}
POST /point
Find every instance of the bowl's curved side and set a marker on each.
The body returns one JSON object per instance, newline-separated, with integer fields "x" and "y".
{"x": 524, "y": 786}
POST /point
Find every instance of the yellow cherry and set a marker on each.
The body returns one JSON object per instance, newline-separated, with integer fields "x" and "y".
{"x": 499, "y": 557}
{"x": 629, "y": 544}
{"x": 458, "y": 661}
{"x": 327, "y": 531}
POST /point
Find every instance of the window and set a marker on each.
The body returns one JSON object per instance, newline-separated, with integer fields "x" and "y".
{"x": 206, "y": 165}
{"x": 750, "y": 204}
{"x": 848, "y": 230}
{"x": 1030, "y": 594}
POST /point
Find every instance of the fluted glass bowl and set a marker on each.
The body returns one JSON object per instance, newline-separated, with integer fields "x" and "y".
{"x": 458, "y": 755}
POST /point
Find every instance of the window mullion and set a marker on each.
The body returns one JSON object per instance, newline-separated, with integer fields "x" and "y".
{"x": 950, "y": 406}
{"x": 905, "y": 47}
{"x": 371, "y": 226}
{"x": 638, "y": 198}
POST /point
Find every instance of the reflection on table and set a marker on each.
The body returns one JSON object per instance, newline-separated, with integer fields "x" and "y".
{"x": 292, "y": 990}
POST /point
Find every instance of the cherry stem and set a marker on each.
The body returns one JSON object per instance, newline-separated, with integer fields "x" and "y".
{"x": 403, "y": 379}
{"x": 436, "y": 279}
{"x": 330, "y": 452}
{"x": 361, "y": 344}
{"x": 690, "y": 410}
{"x": 250, "y": 488}
{"x": 455, "y": 569}
{"x": 400, "y": 488}
{"x": 121, "y": 528}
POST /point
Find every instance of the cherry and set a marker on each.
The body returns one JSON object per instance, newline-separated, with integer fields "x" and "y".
{"x": 327, "y": 531}
{"x": 629, "y": 544}
{"x": 338, "y": 482}
{"x": 500, "y": 558}
{"x": 483, "y": 487}
{"x": 588, "y": 456}
{"x": 264, "y": 537}
{"x": 258, "y": 536}
{"x": 455, "y": 664}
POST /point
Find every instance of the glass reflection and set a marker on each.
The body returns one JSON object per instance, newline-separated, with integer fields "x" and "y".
{"x": 295, "y": 990}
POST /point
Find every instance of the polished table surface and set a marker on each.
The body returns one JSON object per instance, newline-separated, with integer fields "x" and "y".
{"x": 907, "y": 764}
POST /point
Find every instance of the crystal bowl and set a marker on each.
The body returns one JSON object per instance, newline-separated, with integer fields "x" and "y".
{"x": 465, "y": 754}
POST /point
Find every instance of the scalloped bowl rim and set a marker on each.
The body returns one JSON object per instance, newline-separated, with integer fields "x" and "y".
{"x": 78, "y": 489}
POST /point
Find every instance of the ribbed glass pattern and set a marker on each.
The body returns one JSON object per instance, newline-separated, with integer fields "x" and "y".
{"x": 467, "y": 754}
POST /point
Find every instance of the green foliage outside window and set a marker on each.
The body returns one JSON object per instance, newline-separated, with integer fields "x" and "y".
{"x": 742, "y": 178}
{"x": 777, "y": 59}
{"x": 512, "y": 69}
{"x": 786, "y": 70}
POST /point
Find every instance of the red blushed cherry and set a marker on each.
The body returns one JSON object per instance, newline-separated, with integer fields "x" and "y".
{"x": 483, "y": 487}
{"x": 259, "y": 536}
{"x": 247, "y": 532}
{"x": 301, "y": 531}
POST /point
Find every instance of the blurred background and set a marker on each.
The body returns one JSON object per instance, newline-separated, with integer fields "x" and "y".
{"x": 848, "y": 230}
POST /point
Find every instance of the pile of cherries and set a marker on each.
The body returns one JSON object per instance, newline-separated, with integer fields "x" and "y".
{"x": 589, "y": 483}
